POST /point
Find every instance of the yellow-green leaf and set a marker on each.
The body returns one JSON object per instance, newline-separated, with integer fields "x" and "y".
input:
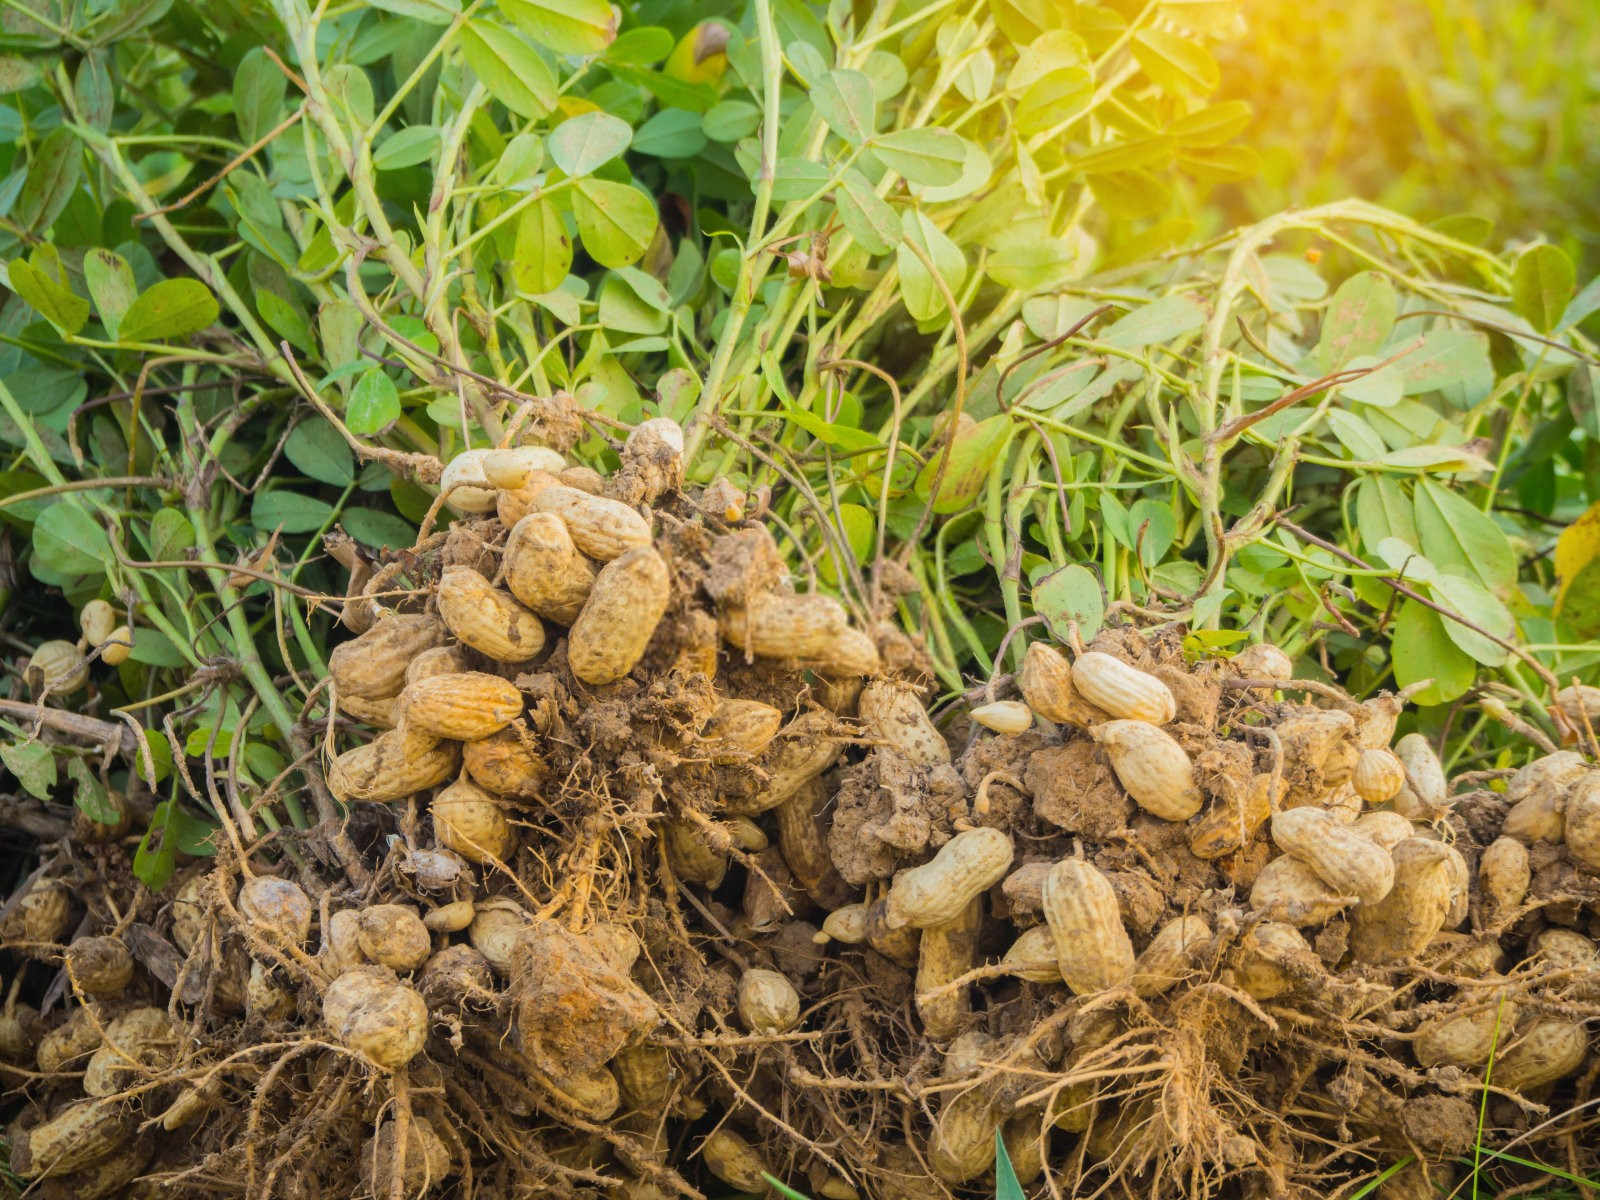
{"x": 543, "y": 253}
{"x": 169, "y": 309}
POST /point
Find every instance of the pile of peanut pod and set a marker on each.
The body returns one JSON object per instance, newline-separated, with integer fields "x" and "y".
{"x": 660, "y": 878}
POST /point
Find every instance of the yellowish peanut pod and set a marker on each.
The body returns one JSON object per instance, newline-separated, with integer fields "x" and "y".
{"x": 644, "y": 1075}
{"x": 1033, "y": 956}
{"x": 735, "y": 1161}
{"x": 892, "y": 713}
{"x": 465, "y": 487}
{"x": 74, "y": 1138}
{"x": 512, "y": 504}
{"x": 802, "y": 839}
{"x": 738, "y": 729}
{"x": 1275, "y": 958}
{"x": 544, "y": 570}
{"x": 1152, "y": 767}
{"x": 1124, "y": 691}
{"x": 946, "y": 952}
{"x": 847, "y": 925}
{"x": 803, "y": 751}
{"x": 117, "y": 646}
{"x": 138, "y": 1039}
{"x": 601, "y": 528}
{"x": 376, "y": 1015}
{"x": 473, "y": 823}
{"x": 57, "y": 666}
{"x": 1378, "y": 776}
{"x": 486, "y": 618}
{"x": 374, "y": 664}
{"x": 962, "y": 1146}
{"x": 1046, "y": 685}
{"x": 394, "y": 765}
{"x": 97, "y": 619}
{"x": 1233, "y": 820}
{"x": 1375, "y": 721}
{"x": 853, "y": 653}
{"x": 1399, "y": 924}
{"x": 439, "y": 660}
{"x": 936, "y": 892}
{"x": 620, "y": 616}
{"x": 1263, "y": 661}
{"x": 691, "y": 855}
{"x": 768, "y": 1002}
{"x": 1425, "y": 792}
{"x": 378, "y": 712}
{"x": 1175, "y": 950}
{"x": 393, "y": 935}
{"x": 591, "y": 1092}
{"x": 1550, "y": 1049}
{"x": 1289, "y": 891}
{"x": 1092, "y": 947}
{"x": 497, "y": 926}
{"x": 514, "y": 466}
{"x": 1467, "y": 1039}
{"x": 99, "y": 966}
{"x": 1004, "y": 716}
{"x": 465, "y": 706}
{"x": 279, "y": 906}
{"x": 1579, "y": 703}
{"x": 1386, "y": 828}
{"x": 507, "y": 763}
{"x": 1583, "y": 821}
{"x": 1347, "y": 861}
{"x": 778, "y": 625}
{"x": 1504, "y": 873}
{"x": 1567, "y": 949}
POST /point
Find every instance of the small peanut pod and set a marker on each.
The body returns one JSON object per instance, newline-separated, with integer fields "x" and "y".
{"x": 936, "y": 892}
{"x": 497, "y": 926}
{"x": 1583, "y": 822}
{"x": 1375, "y": 720}
{"x": 898, "y": 945}
{"x": 1152, "y": 767}
{"x": 1551, "y": 1049}
{"x": 1124, "y": 691}
{"x": 1349, "y": 862}
{"x": 1567, "y": 949}
{"x": 803, "y": 751}
{"x": 392, "y": 766}
{"x": 393, "y": 935}
{"x": 512, "y": 504}
{"x": 1092, "y": 947}
{"x": 1033, "y": 956}
{"x": 847, "y": 924}
{"x": 644, "y": 1076}
{"x": 473, "y": 823}
{"x": 140, "y": 1038}
{"x": 514, "y": 466}
{"x": 1467, "y": 1039}
{"x": 1046, "y": 685}
{"x": 591, "y": 1092}
{"x": 962, "y": 1146}
{"x": 1233, "y": 820}
{"x": 374, "y": 664}
{"x": 463, "y": 707}
{"x": 735, "y": 1161}
{"x": 544, "y": 570}
{"x": 768, "y": 1002}
{"x": 1579, "y": 703}
{"x": 102, "y": 966}
{"x": 1024, "y": 1146}
{"x": 114, "y": 651}
{"x": 1504, "y": 873}
{"x": 379, "y": 713}
{"x": 852, "y": 654}
{"x": 1289, "y": 891}
{"x": 376, "y": 1015}
{"x": 1172, "y": 953}
{"x": 945, "y": 953}
{"x": 1004, "y": 716}
{"x": 738, "y": 729}
{"x": 464, "y": 485}
{"x": 802, "y": 839}
{"x": 58, "y": 666}
{"x": 1401, "y": 923}
{"x": 603, "y": 529}
{"x": 691, "y": 855}
{"x": 893, "y": 714}
{"x": 1262, "y": 661}
{"x": 620, "y": 616}
{"x": 507, "y": 763}
{"x": 1386, "y": 828}
{"x": 97, "y": 619}
{"x": 74, "y": 1138}
{"x": 279, "y": 906}
{"x": 1425, "y": 792}
{"x": 1378, "y": 776}
{"x": 1275, "y": 958}
{"x": 1459, "y": 876}
{"x": 779, "y": 625}
{"x": 486, "y": 618}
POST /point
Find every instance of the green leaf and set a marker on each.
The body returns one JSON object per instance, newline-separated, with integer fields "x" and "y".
{"x": 1542, "y": 284}
{"x": 644, "y": 46}
{"x": 1383, "y": 510}
{"x": 1468, "y": 598}
{"x": 317, "y": 448}
{"x": 670, "y": 133}
{"x": 845, "y": 101}
{"x": 971, "y": 457}
{"x": 543, "y": 252}
{"x": 636, "y": 302}
{"x": 581, "y": 27}
{"x": 33, "y": 765}
{"x": 378, "y": 529}
{"x": 1027, "y": 262}
{"x": 934, "y": 157}
{"x": 171, "y": 535}
{"x": 53, "y": 175}
{"x": 53, "y": 301}
{"x": 1160, "y": 321}
{"x": 867, "y": 218}
{"x": 17, "y": 74}
{"x": 1176, "y": 65}
{"x": 1456, "y": 535}
{"x": 94, "y": 90}
{"x": 278, "y": 301}
{"x": 289, "y": 511}
{"x": 783, "y": 1189}
{"x": 1070, "y": 595}
{"x": 923, "y": 298}
{"x": 1152, "y": 527}
{"x": 89, "y": 795}
{"x": 1577, "y": 566}
{"x": 1447, "y": 358}
{"x": 1355, "y": 435}
{"x": 584, "y": 143}
{"x": 69, "y": 542}
{"x": 160, "y": 758}
{"x": 406, "y": 148}
{"x": 154, "y": 649}
{"x": 730, "y": 120}
{"x": 859, "y": 527}
{"x": 509, "y": 67}
{"x": 374, "y": 403}
{"x": 430, "y": 12}
{"x": 1212, "y": 125}
{"x": 1358, "y": 321}
{"x": 172, "y": 829}
{"x": 111, "y": 285}
{"x": 1584, "y": 305}
{"x": 259, "y": 89}
{"x": 170, "y": 309}
{"x": 1006, "y": 1186}
{"x": 615, "y": 220}
{"x": 1427, "y": 652}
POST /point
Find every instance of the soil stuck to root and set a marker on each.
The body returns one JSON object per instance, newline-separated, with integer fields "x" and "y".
{"x": 587, "y": 958}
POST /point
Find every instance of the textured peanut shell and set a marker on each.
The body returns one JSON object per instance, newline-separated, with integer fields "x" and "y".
{"x": 1425, "y": 786}
{"x": 1401, "y": 923}
{"x": 473, "y": 823}
{"x": 496, "y": 926}
{"x": 507, "y": 763}
{"x": 936, "y": 892}
{"x": 65, "y": 1045}
{"x": 767, "y": 1002}
{"x": 893, "y": 714}
{"x": 738, "y": 729}
{"x": 1171, "y": 955}
{"x": 591, "y": 1091}
{"x": 487, "y": 618}
{"x": 544, "y": 570}
{"x": 1124, "y": 691}
{"x": 140, "y": 1038}
{"x": 1288, "y": 890}
{"x": 426, "y": 1162}
{"x": 374, "y": 664}
{"x": 803, "y": 751}
{"x": 620, "y": 616}
{"x": 378, "y": 712}
{"x": 802, "y": 840}
{"x": 278, "y": 905}
{"x": 1092, "y": 947}
{"x": 644, "y": 1075}
{"x": 601, "y": 528}
{"x": 1386, "y": 828}
{"x": 1046, "y": 685}
{"x": 440, "y": 660}
{"x": 1378, "y": 775}
{"x": 99, "y": 966}
{"x": 104, "y": 1178}
{"x": 1233, "y": 820}
{"x": 1347, "y": 861}
{"x": 1583, "y": 822}
{"x": 464, "y": 485}
{"x": 376, "y": 1015}
{"x": 733, "y": 1160}
{"x": 393, "y": 936}
{"x": 692, "y": 857}
{"x": 72, "y": 1139}
{"x": 1152, "y": 767}
{"x": 1262, "y": 661}
{"x": 944, "y": 953}
{"x": 1033, "y": 956}
{"x": 778, "y": 625}
{"x": 392, "y": 766}
{"x": 1469, "y": 1038}
{"x": 1004, "y": 716}
{"x": 962, "y": 1146}
{"x": 1275, "y": 958}
{"x": 463, "y": 707}
{"x": 1551, "y": 1049}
